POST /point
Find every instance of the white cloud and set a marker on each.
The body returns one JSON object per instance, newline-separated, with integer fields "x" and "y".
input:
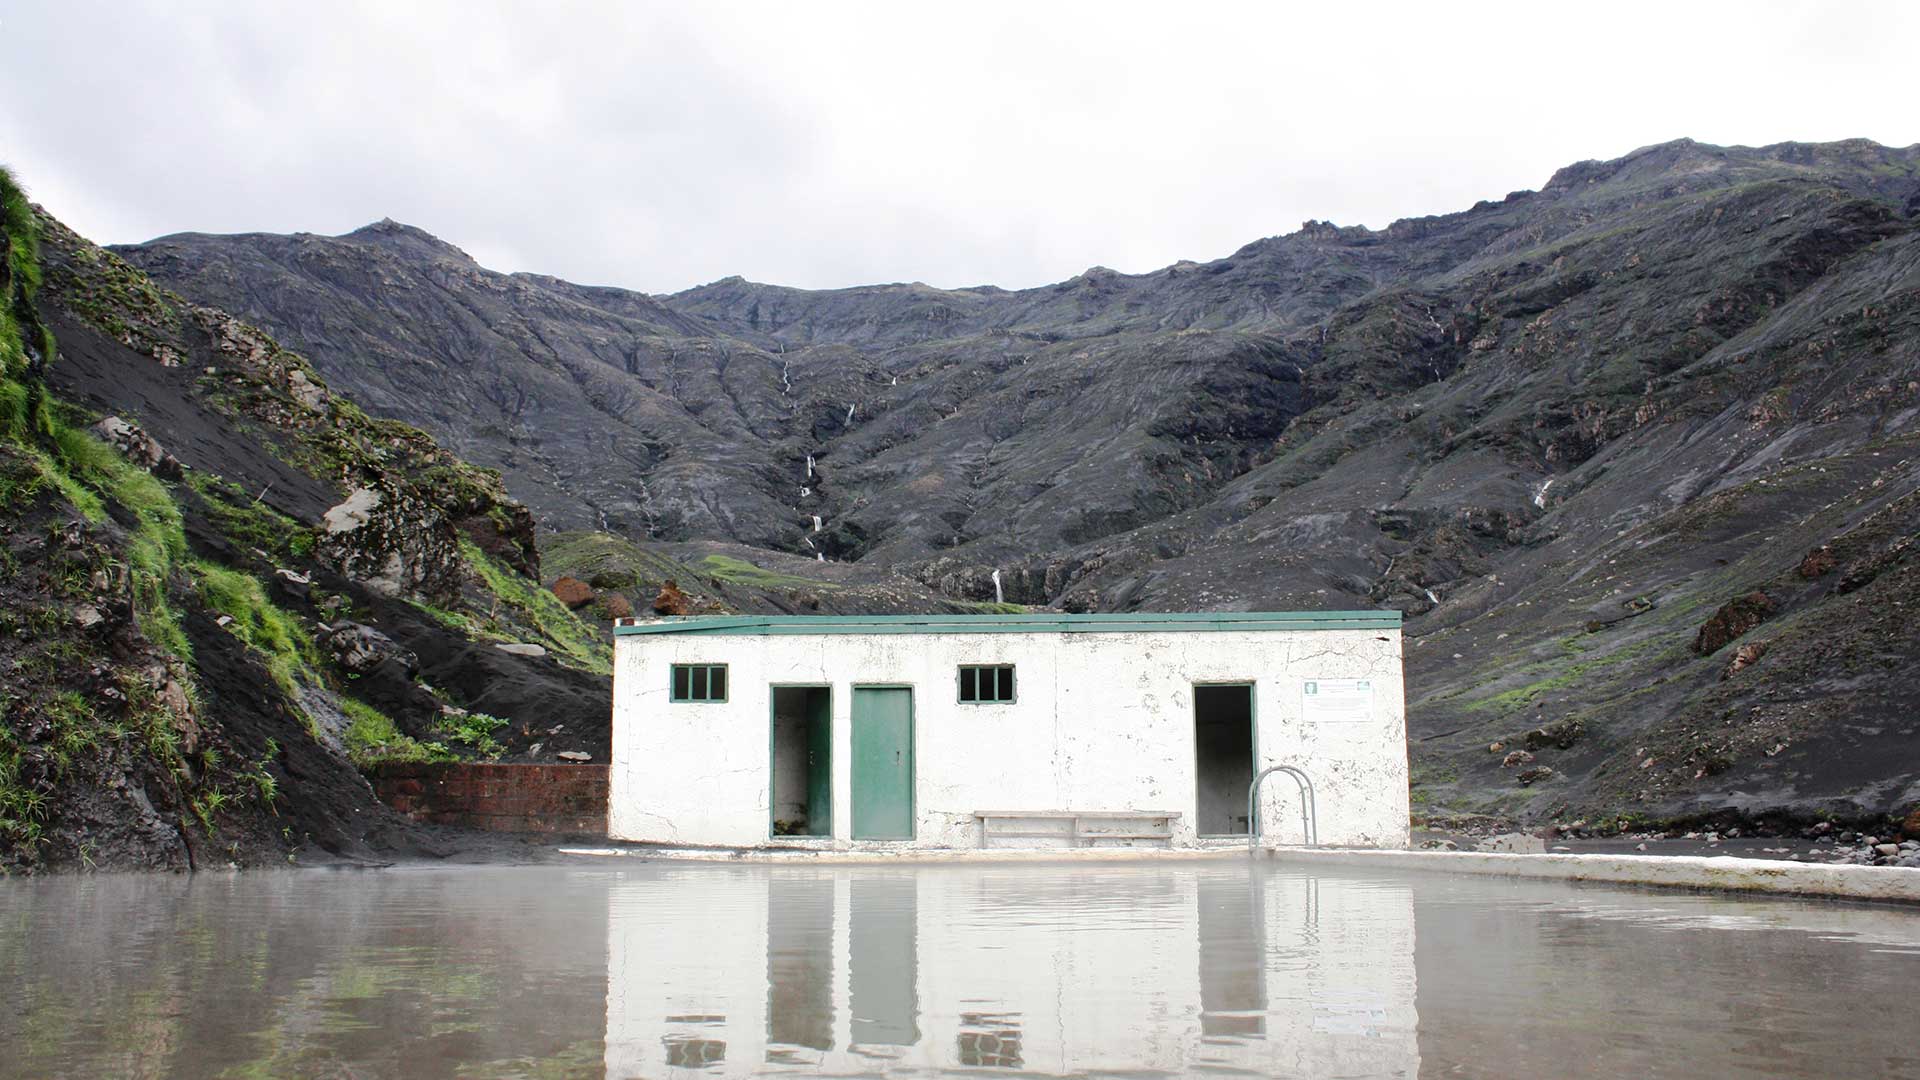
{"x": 659, "y": 146}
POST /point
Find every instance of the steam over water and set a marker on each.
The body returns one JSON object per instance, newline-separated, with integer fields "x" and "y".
{"x": 631, "y": 969}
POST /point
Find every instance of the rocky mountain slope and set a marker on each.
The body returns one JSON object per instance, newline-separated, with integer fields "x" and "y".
{"x": 223, "y": 588}
{"x": 1635, "y": 452}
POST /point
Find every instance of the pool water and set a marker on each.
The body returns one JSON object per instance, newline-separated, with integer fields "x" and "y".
{"x": 1230, "y": 967}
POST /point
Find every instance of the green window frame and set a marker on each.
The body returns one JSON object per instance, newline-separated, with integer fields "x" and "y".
{"x": 699, "y": 683}
{"x": 986, "y": 684}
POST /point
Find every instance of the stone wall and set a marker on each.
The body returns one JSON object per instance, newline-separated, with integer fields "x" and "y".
{"x": 556, "y": 799}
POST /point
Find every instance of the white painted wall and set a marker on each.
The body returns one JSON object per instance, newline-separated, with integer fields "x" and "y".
{"x": 1103, "y": 721}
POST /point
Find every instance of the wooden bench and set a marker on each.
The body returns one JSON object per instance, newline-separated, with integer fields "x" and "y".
{"x": 1076, "y": 828}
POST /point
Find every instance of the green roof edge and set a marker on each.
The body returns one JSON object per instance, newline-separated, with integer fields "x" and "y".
{"x": 1110, "y": 623}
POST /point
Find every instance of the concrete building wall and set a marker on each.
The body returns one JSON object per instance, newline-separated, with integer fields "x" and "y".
{"x": 1101, "y": 721}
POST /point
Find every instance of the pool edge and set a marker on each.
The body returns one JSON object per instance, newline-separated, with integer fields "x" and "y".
{"x": 1719, "y": 873}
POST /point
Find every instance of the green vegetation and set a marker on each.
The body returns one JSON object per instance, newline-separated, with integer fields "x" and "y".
{"x": 991, "y": 607}
{"x": 157, "y": 540}
{"x": 741, "y": 572}
{"x": 288, "y": 649}
{"x": 372, "y": 738}
{"x": 250, "y": 523}
{"x": 476, "y": 730}
{"x": 1522, "y": 696}
{"x": 560, "y": 629}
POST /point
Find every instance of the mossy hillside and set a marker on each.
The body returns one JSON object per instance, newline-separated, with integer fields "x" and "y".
{"x": 248, "y": 615}
{"x": 250, "y": 523}
{"x": 84, "y": 527}
{"x": 278, "y": 397}
{"x": 373, "y": 738}
{"x": 736, "y": 571}
{"x": 521, "y": 610}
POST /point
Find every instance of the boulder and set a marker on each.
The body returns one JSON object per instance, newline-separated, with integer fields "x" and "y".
{"x": 1517, "y": 757}
{"x": 136, "y": 446}
{"x": 1818, "y": 562}
{"x": 573, "y": 592}
{"x": 1735, "y": 617}
{"x": 1534, "y": 775}
{"x": 519, "y": 648}
{"x": 672, "y": 601}
{"x": 1745, "y": 656}
{"x": 1910, "y": 828}
{"x": 616, "y": 606}
{"x": 361, "y": 650}
{"x": 392, "y": 542}
{"x": 355, "y": 512}
{"x": 304, "y": 390}
{"x": 1562, "y": 733}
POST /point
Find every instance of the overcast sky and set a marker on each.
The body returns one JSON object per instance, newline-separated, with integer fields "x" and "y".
{"x": 660, "y": 146}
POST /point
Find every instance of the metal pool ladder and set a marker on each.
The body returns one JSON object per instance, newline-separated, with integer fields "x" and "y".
{"x": 1309, "y": 812}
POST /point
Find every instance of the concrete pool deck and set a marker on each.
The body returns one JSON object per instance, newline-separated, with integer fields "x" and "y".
{"x": 1718, "y": 873}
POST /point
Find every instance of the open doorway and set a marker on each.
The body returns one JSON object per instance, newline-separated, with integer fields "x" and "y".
{"x": 802, "y": 761}
{"x": 1223, "y": 757}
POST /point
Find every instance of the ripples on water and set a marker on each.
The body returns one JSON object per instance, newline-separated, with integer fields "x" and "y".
{"x": 653, "y": 970}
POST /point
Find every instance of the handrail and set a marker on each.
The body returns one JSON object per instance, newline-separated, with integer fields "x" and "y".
{"x": 1309, "y": 810}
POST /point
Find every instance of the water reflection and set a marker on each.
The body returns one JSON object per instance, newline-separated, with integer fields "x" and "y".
{"x": 1056, "y": 970}
{"x": 654, "y": 970}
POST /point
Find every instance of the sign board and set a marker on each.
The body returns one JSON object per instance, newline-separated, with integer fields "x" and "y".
{"x": 1336, "y": 701}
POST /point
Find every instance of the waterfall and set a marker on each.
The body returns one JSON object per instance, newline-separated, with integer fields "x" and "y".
{"x": 1540, "y": 493}
{"x": 805, "y": 491}
{"x": 809, "y": 466}
{"x": 820, "y": 556}
{"x": 849, "y": 414}
{"x": 998, "y": 596}
{"x": 809, "y": 540}
{"x": 1431, "y": 598}
{"x": 816, "y": 523}
{"x": 895, "y": 382}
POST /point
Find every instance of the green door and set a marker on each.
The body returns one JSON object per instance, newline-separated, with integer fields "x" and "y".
{"x": 882, "y": 763}
{"x": 819, "y": 763}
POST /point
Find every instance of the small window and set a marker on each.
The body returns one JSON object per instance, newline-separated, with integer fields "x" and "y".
{"x": 986, "y": 683}
{"x": 699, "y": 682}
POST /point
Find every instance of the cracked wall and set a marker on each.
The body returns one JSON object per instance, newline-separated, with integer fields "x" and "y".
{"x": 1102, "y": 721}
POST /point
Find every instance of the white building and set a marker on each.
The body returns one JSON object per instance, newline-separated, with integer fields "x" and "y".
{"x": 1008, "y": 730}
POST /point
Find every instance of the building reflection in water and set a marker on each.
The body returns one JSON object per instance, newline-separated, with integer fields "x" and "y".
{"x": 1052, "y": 970}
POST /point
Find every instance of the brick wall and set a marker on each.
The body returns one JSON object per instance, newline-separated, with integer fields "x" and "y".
{"x": 558, "y": 799}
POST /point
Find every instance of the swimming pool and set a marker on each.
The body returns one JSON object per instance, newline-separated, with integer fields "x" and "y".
{"x": 1229, "y": 966}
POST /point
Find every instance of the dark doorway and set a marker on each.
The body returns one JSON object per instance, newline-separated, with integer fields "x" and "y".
{"x": 800, "y": 925}
{"x": 1223, "y": 757}
{"x": 802, "y": 803}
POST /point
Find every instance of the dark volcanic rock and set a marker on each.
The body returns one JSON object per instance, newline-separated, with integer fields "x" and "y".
{"x": 1556, "y": 430}
{"x": 1735, "y": 617}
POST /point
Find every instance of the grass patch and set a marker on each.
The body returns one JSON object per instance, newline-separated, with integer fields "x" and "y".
{"x": 991, "y": 607}
{"x": 452, "y": 620}
{"x": 250, "y": 523}
{"x": 1522, "y": 696}
{"x": 741, "y": 572}
{"x": 560, "y": 629}
{"x": 288, "y": 648}
{"x": 372, "y": 738}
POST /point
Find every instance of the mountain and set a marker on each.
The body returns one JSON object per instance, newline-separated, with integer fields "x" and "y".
{"x": 1636, "y": 452}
